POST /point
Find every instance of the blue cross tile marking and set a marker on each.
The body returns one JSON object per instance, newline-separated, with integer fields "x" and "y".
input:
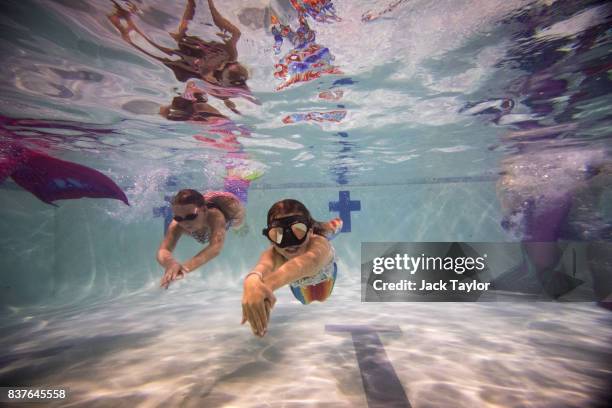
{"x": 165, "y": 212}
{"x": 344, "y": 206}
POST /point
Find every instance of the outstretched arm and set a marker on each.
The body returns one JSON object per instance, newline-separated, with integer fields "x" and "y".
{"x": 217, "y": 238}
{"x": 164, "y": 253}
{"x": 257, "y": 299}
{"x": 172, "y": 268}
{"x": 317, "y": 256}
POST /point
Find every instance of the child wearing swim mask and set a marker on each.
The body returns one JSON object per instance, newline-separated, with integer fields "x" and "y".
{"x": 300, "y": 255}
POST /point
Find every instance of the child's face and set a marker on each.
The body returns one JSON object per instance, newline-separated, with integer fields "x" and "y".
{"x": 189, "y": 216}
{"x": 293, "y": 251}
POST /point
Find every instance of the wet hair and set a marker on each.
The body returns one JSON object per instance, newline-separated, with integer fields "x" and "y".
{"x": 290, "y": 205}
{"x": 239, "y": 73}
{"x": 189, "y": 196}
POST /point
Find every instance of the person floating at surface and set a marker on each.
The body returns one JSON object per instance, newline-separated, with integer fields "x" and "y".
{"x": 300, "y": 256}
{"x": 213, "y": 62}
{"x": 205, "y": 218}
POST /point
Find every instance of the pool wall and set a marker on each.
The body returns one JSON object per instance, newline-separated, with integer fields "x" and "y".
{"x": 76, "y": 253}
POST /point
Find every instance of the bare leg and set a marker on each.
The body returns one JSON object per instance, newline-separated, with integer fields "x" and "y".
{"x": 226, "y": 25}
{"x": 121, "y": 16}
{"x": 187, "y": 17}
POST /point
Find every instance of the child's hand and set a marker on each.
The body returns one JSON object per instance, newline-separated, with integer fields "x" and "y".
{"x": 175, "y": 272}
{"x": 257, "y": 303}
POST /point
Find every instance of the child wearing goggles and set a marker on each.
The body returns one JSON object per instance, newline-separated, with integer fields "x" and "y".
{"x": 300, "y": 256}
{"x": 205, "y": 218}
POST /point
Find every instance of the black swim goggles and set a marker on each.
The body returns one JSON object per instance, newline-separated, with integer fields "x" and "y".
{"x": 288, "y": 231}
{"x": 188, "y": 217}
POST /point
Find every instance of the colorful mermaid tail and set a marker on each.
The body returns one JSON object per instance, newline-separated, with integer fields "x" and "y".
{"x": 320, "y": 291}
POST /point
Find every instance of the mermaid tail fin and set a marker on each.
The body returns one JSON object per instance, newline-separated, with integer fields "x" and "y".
{"x": 51, "y": 179}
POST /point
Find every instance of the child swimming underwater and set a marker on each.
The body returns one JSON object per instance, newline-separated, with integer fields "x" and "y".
{"x": 203, "y": 217}
{"x": 300, "y": 256}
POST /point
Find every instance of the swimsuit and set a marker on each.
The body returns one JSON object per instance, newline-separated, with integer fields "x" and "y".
{"x": 318, "y": 287}
{"x": 204, "y": 237}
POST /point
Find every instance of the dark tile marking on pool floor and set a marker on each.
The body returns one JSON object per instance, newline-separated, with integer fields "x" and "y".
{"x": 382, "y": 387}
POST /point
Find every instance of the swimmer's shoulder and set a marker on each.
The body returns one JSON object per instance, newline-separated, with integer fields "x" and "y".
{"x": 215, "y": 217}
{"x": 320, "y": 240}
{"x": 320, "y": 246}
{"x": 174, "y": 228}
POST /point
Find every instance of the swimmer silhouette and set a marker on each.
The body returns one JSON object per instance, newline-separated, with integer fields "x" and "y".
{"x": 553, "y": 178}
{"x": 213, "y": 62}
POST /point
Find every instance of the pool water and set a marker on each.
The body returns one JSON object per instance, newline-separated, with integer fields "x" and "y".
{"x": 425, "y": 122}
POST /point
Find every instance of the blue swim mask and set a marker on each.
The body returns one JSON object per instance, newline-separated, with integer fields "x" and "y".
{"x": 288, "y": 231}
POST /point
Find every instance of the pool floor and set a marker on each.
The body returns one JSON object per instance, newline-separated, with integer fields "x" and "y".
{"x": 185, "y": 347}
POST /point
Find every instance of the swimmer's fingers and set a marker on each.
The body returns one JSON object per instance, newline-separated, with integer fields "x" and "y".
{"x": 165, "y": 281}
{"x": 268, "y": 309}
{"x": 262, "y": 315}
{"x": 244, "y": 318}
{"x": 178, "y": 274}
{"x": 253, "y": 321}
{"x": 258, "y": 318}
{"x": 272, "y": 299}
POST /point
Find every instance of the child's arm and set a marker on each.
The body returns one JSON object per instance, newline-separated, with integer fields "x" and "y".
{"x": 164, "y": 253}
{"x": 317, "y": 256}
{"x": 257, "y": 298}
{"x": 172, "y": 268}
{"x": 217, "y": 239}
